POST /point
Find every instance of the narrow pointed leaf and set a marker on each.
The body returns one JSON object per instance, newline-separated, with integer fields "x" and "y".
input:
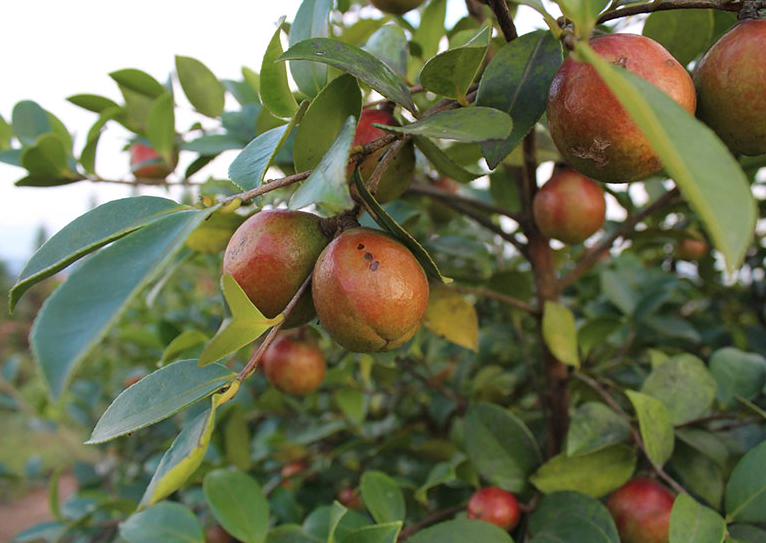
{"x": 382, "y": 497}
{"x": 92, "y": 102}
{"x": 655, "y": 426}
{"x": 431, "y": 28}
{"x": 468, "y": 124}
{"x": 161, "y": 127}
{"x": 560, "y": 334}
{"x": 200, "y": 86}
{"x": 275, "y": 90}
{"x": 80, "y": 312}
{"x": 159, "y": 395}
{"x": 250, "y": 166}
{"x": 356, "y": 62}
{"x": 692, "y": 522}
{"x": 167, "y": 522}
{"x": 312, "y": 20}
{"x": 238, "y": 504}
{"x": 139, "y": 82}
{"x": 443, "y": 163}
{"x": 183, "y": 342}
{"x": 693, "y": 156}
{"x": 451, "y": 73}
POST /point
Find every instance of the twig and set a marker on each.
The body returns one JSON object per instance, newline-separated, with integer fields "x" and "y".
{"x": 487, "y": 293}
{"x": 461, "y": 402}
{"x": 428, "y": 521}
{"x": 434, "y": 192}
{"x": 595, "y": 252}
{"x": 504, "y": 19}
{"x": 666, "y": 5}
{"x": 489, "y": 225}
{"x": 415, "y": 89}
{"x": 385, "y": 161}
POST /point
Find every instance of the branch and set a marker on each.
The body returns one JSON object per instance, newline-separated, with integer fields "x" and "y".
{"x": 384, "y": 163}
{"x": 595, "y": 252}
{"x": 428, "y": 521}
{"x": 439, "y": 194}
{"x": 504, "y": 19}
{"x": 489, "y": 225}
{"x": 508, "y": 300}
{"x": 669, "y": 4}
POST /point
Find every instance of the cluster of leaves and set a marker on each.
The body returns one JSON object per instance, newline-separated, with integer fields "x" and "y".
{"x": 665, "y": 372}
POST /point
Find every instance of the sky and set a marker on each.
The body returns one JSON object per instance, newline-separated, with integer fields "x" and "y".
{"x": 54, "y": 49}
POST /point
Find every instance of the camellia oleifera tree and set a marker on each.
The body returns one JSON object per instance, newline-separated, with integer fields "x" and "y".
{"x": 466, "y": 379}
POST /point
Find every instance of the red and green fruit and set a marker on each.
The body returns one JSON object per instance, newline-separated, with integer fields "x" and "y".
{"x": 350, "y": 498}
{"x": 294, "y": 365}
{"x": 590, "y": 128}
{"x": 569, "y": 207}
{"x": 692, "y": 249}
{"x": 396, "y": 7}
{"x": 270, "y": 255}
{"x": 730, "y": 81}
{"x": 146, "y": 163}
{"x": 369, "y": 291}
{"x": 641, "y": 511}
{"x": 399, "y": 174}
{"x": 496, "y": 506}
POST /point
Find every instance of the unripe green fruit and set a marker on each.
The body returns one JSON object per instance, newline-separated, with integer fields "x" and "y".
{"x": 731, "y": 87}
{"x": 496, "y": 506}
{"x": 398, "y": 175}
{"x": 590, "y": 128}
{"x": 396, "y": 7}
{"x": 369, "y": 291}
{"x": 270, "y": 255}
{"x": 569, "y": 207}
{"x": 641, "y": 511}
{"x": 294, "y": 365}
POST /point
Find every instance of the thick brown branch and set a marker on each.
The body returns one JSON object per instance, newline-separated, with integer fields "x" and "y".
{"x": 439, "y": 194}
{"x": 508, "y": 300}
{"x": 666, "y": 5}
{"x": 504, "y": 19}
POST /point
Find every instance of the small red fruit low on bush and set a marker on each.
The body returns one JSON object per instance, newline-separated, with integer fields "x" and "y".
{"x": 641, "y": 511}
{"x": 496, "y": 506}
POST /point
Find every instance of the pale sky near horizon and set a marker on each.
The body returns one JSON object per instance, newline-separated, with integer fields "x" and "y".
{"x": 53, "y": 49}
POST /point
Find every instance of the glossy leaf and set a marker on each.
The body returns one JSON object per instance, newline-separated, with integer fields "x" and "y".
{"x": 591, "y": 513}
{"x": 737, "y": 373}
{"x": 560, "y": 334}
{"x": 29, "y": 121}
{"x": 461, "y": 531}
{"x": 684, "y": 385}
{"x": 593, "y": 427}
{"x": 655, "y": 425}
{"x": 47, "y": 157}
{"x": 692, "y": 522}
{"x": 594, "y": 474}
{"x": 382, "y": 497}
{"x": 200, "y": 86}
{"x": 500, "y": 446}
{"x": 160, "y": 127}
{"x": 327, "y": 186}
{"x": 468, "y": 124}
{"x": 451, "y": 316}
{"x": 139, "y": 82}
{"x": 746, "y": 489}
{"x": 238, "y": 504}
{"x": 685, "y": 34}
{"x": 516, "y": 82}
{"x": 244, "y": 326}
{"x": 79, "y": 312}
{"x": 389, "y": 44}
{"x": 336, "y": 514}
{"x": 572, "y": 529}
{"x": 251, "y": 165}
{"x": 692, "y": 155}
{"x": 443, "y": 163}
{"x": 319, "y": 523}
{"x": 312, "y": 20}
{"x": 289, "y": 533}
{"x": 431, "y": 28}
{"x": 274, "y": 87}
{"x": 182, "y": 342}
{"x": 381, "y": 533}
{"x": 92, "y": 102}
{"x": 213, "y": 235}
{"x": 325, "y": 117}
{"x": 212, "y": 144}
{"x": 159, "y": 395}
{"x": 450, "y": 73}
{"x": 356, "y": 62}
{"x": 706, "y": 443}
{"x": 698, "y": 474}
{"x": 166, "y": 522}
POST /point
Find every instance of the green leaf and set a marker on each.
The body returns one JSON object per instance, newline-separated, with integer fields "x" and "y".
{"x": 618, "y": 291}
{"x": 356, "y": 62}
{"x": 251, "y": 165}
{"x": 183, "y": 342}
{"x": 6, "y": 133}
{"x": 50, "y": 531}
{"x": 693, "y": 156}
{"x": 655, "y": 425}
{"x": 138, "y": 82}
{"x": 440, "y": 473}
{"x": 327, "y": 186}
{"x": 325, "y": 117}
{"x": 48, "y": 157}
{"x": 275, "y": 90}
{"x": 88, "y": 155}
{"x": 462, "y": 531}
{"x": 159, "y": 395}
{"x": 560, "y": 334}
{"x": 318, "y": 523}
{"x": 594, "y": 474}
{"x": 595, "y": 426}
{"x": 352, "y": 403}
{"x": 160, "y": 127}
{"x": 746, "y": 489}
{"x": 583, "y": 13}
{"x": 200, "y": 86}
{"x": 289, "y": 533}
{"x": 236, "y": 438}
{"x": 698, "y": 474}
{"x": 381, "y": 533}
{"x": 337, "y": 512}
{"x": 382, "y": 497}
{"x": 238, "y": 504}
{"x": 451, "y": 73}
{"x": 390, "y": 225}
{"x": 166, "y": 522}
{"x": 743, "y": 533}
{"x": 684, "y": 385}
{"x": 312, "y": 20}
{"x": 692, "y": 522}
{"x": 431, "y": 28}
{"x": 182, "y": 458}
{"x": 516, "y": 82}
{"x": 443, "y": 163}
{"x": 29, "y": 121}
{"x": 469, "y": 124}
{"x": 104, "y": 224}
{"x": 451, "y": 316}
{"x": 572, "y": 529}
{"x": 212, "y": 144}
{"x": 80, "y": 312}
{"x": 244, "y": 326}
{"x": 93, "y": 102}
{"x": 737, "y": 373}
{"x": 705, "y": 442}
{"x": 684, "y": 34}
{"x": 500, "y": 446}
{"x": 389, "y": 44}
{"x": 589, "y": 511}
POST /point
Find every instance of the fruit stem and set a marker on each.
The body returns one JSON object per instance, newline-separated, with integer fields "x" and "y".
{"x": 649, "y": 7}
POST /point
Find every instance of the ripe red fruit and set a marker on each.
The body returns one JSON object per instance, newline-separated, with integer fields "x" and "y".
{"x": 496, "y": 506}
{"x": 591, "y": 129}
{"x": 216, "y": 534}
{"x": 569, "y": 207}
{"x": 398, "y": 176}
{"x": 294, "y": 365}
{"x": 730, "y": 81}
{"x": 270, "y": 255}
{"x": 146, "y": 163}
{"x": 396, "y": 7}
{"x": 692, "y": 249}
{"x": 641, "y": 511}
{"x": 350, "y": 498}
{"x": 369, "y": 291}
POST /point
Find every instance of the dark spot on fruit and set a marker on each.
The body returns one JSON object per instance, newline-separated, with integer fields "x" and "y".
{"x": 670, "y": 62}
{"x": 368, "y": 256}
{"x": 595, "y": 152}
{"x": 374, "y": 266}
{"x": 360, "y": 246}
